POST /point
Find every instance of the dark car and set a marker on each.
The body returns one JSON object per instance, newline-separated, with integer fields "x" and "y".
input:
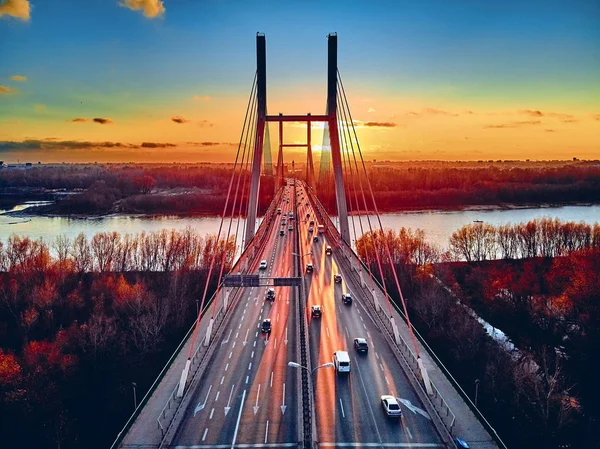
{"x": 337, "y": 278}
{"x": 346, "y": 298}
{"x": 315, "y": 239}
{"x": 271, "y": 294}
{"x": 281, "y": 232}
{"x": 316, "y": 311}
{"x": 266, "y": 326}
{"x": 328, "y": 250}
{"x": 309, "y": 267}
{"x": 360, "y": 344}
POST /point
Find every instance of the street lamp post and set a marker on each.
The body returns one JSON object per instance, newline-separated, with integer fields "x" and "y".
{"x": 134, "y": 385}
{"x": 476, "y": 390}
{"x": 297, "y": 365}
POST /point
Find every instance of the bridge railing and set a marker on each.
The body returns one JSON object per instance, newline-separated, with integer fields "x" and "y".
{"x": 444, "y": 411}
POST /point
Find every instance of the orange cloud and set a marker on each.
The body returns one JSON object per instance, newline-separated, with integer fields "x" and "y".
{"x": 596, "y": 117}
{"x": 5, "y": 90}
{"x": 16, "y": 8}
{"x": 79, "y": 120}
{"x": 532, "y": 112}
{"x": 514, "y": 124}
{"x": 536, "y": 113}
{"x": 203, "y": 98}
{"x": 380, "y": 124}
{"x": 179, "y": 119}
{"x": 18, "y": 78}
{"x": 150, "y": 8}
{"x": 157, "y": 145}
{"x": 102, "y": 121}
{"x": 431, "y": 111}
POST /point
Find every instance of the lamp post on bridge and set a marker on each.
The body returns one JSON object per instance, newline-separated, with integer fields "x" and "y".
{"x": 134, "y": 385}
{"x": 298, "y": 366}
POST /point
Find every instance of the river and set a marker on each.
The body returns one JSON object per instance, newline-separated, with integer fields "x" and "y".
{"x": 438, "y": 225}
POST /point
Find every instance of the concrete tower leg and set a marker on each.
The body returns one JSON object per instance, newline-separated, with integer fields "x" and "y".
{"x": 261, "y": 95}
{"x": 336, "y": 156}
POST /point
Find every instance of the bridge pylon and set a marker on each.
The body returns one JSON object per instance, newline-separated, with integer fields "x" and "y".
{"x": 331, "y": 118}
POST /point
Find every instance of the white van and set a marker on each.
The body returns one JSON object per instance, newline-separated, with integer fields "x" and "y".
{"x": 341, "y": 361}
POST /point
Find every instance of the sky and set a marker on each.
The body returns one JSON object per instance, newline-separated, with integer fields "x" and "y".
{"x": 169, "y": 81}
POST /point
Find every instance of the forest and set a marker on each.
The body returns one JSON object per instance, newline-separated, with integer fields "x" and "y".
{"x": 542, "y": 393}
{"x": 81, "y": 320}
{"x": 200, "y": 189}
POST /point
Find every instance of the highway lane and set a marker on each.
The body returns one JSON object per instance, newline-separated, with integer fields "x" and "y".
{"x": 348, "y": 406}
{"x": 247, "y": 394}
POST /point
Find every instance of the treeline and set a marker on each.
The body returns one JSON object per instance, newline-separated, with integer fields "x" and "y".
{"x": 81, "y": 320}
{"x": 545, "y": 394}
{"x": 542, "y": 237}
{"x": 152, "y": 189}
{"x": 425, "y": 186}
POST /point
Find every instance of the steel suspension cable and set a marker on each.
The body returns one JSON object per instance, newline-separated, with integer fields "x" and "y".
{"x": 372, "y": 234}
{"x": 212, "y": 261}
{"x": 353, "y": 182}
{"x": 386, "y": 244}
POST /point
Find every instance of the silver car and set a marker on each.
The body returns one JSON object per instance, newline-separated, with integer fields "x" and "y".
{"x": 390, "y": 406}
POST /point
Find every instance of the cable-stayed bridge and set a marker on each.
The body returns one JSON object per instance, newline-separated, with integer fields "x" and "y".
{"x": 264, "y": 368}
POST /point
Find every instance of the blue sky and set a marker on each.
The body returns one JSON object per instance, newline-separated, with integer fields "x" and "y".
{"x": 97, "y": 58}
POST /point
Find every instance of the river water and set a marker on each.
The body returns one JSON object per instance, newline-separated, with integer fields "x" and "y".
{"x": 438, "y": 225}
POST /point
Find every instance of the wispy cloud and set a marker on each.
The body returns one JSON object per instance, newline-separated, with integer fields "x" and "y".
{"x": 567, "y": 118}
{"x": 531, "y": 112}
{"x": 370, "y": 110}
{"x": 431, "y": 111}
{"x": 205, "y": 124}
{"x": 4, "y": 90}
{"x": 51, "y": 144}
{"x": 150, "y": 8}
{"x": 201, "y": 97}
{"x": 102, "y": 121}
{"x": 380, "y": 124}
{"x": 18, "y": 78}
{"x": 550, "y": 130}
{"x": 16, "y": 8}
{"x": 79, "y": 120}
{"x": 179, "y": 119}
{"x": 517, "y": 124}
{"x": 157, "y": 145}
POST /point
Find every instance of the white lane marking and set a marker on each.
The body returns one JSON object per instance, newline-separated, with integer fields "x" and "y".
{"x": 286, "y": 339}
{"x": 201, "y": 406}
{"x": 387, "y": 381}
{"x": 212, "y": 410}
{"x": 283, "y": 406}
{"x": 369, "y": 335}
{"x": 271, "y": 379}
{"x": 364, "y": 325}
{"x": 381, "y": 366}
{"x": 275, "y": 348}
{"x": 204, "y": 434}
{"x": 226, "y": 366}
{"x": 254, "y": 343}
{"x": 346, "y": 330}
{"x": 361, "y": 318}
{"x": 217, "y": 396}
{"x": 237, "y": 425}
{"x": 230, "y": 354}
{"x": 247, "y": 378}
{"x": 222, "y": 379}
{"x": 255, "y": 408}
{"x": 256, "y": 335}
{"x": 250, "y": 366}
{"x": 267, "y": 432}
{"x": 327, "y": 329}
{"x": 227, "y": 408}
{"x": 240, "y": 326}
{"x": 376, "y": 355}
{"x": 236, "y": 335}
{"x": 233, "y": 345}
{"x": 342, "y": 406}
{"x": 409, "y": 433}
{"x": 245, "y": 342}
{"x": 252, "y": 355}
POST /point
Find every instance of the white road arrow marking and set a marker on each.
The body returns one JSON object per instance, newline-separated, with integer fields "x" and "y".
{"x": 414, "y": 409}
{"x": 224, "y": 342}
{"x": 283, "y": 407}
{"x": 246, "y": 338}
{"x": 286, "y": 339}
{"x": 201, "y": 406}
{"x": 229, "y": 401}
{"x": 255, "y": 408}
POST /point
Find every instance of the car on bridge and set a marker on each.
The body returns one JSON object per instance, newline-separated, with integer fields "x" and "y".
{"x": 390, "y": 406}
{"x": 360, "y": 344}
{"x": 271, "y": 294}
{"x": 316, "y": 312}
{"x": 315, "y": 239}
{"x": 281, "y": 232}
{"x": 337, "y": 278}
{"x": 328, "y": 250}
{"x": 263, "y": 265}
{"x": 312, "y": 222}
{"x": 265, "y": 327}
{"x": 311, "y": 229}
{"x": 309, "y": 267}
{"x": 341, "y": 361}
{"x": 346, "y": 298}
{"x": 279, "y": 211}
{"x": 290, "y": 228}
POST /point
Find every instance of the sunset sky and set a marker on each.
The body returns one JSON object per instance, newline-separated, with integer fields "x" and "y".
{"x": 93, "y": 80}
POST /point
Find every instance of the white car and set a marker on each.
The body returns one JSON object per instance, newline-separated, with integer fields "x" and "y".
{"x": 390, "y": 406}
{"x": 263, "y": 265}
